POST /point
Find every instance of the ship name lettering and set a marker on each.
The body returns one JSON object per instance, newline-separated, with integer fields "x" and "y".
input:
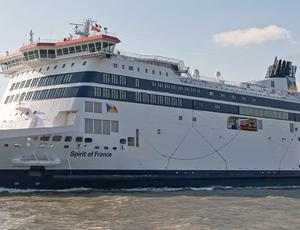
{"x": 82, "y": 154}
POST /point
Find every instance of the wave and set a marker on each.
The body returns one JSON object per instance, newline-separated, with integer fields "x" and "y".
{"x": 142, "y": 190}
{"x": 24, "y": 191}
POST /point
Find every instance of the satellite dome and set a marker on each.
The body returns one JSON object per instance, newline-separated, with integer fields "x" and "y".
{"x": 196, "y": 73}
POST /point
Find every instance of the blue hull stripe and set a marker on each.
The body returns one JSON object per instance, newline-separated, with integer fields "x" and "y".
{"x": 115, "y": 179}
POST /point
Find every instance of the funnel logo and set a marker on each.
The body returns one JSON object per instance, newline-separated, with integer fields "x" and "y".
{"x": 292, "y": 86}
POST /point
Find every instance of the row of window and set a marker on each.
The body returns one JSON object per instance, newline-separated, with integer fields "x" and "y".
{"x": 43, "y": 81}
{"x": 97, "y": 126}
{"x": 138, "y": 69}
{"x": 59, "y": 138}
{"x": 154, "y": 99}
{"x": 130, "y": 82}
{"x": 53, "y": 53}
{"x": 42, "y": 95}
{"x": 254, "y": 112}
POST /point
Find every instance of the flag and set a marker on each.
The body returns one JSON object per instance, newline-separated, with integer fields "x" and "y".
{"x": 111, "y": 108}
{"x": 96, "y": 28}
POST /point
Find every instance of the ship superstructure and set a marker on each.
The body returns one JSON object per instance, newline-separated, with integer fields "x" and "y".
{"x": 79, "y": 113}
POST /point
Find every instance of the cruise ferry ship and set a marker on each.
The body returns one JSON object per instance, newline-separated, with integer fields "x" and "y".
{"x": 79, "y": 113}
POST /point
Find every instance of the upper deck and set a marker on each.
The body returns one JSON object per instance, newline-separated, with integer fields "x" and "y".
{"x": 102, "y": 44}
{"x": 36, "y": 53}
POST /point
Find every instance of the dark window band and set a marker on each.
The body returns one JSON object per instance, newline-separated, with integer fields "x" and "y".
{"x": 144, "y": 84}
{"x": 155, "y": 99}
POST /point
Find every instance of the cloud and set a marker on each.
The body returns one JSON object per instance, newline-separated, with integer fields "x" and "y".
{"x": 252, "y": 35}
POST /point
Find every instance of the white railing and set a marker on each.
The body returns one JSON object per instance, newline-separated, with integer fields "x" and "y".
{"x": 151, "y": 58}
{"x": 244, "y": 87}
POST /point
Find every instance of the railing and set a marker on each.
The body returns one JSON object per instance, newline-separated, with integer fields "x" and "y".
{"x": 151, "y": 58}
{"x": 244, "y": 87}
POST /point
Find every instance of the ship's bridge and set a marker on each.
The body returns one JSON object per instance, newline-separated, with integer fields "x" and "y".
{"x": 35, "y": 54}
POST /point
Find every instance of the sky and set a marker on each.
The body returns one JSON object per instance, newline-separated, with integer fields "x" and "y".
{"x": 238, "y": 38}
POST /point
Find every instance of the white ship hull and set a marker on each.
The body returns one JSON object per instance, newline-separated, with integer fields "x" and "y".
{"x": 107, "y": 120}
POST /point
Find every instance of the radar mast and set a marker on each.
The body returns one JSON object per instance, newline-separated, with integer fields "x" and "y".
{"x": 83, "y": 30}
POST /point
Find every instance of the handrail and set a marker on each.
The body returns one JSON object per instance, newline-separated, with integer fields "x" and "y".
{"x": 241, "y": 87}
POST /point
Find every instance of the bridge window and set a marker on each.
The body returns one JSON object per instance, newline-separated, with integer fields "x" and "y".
{"x": 105, "y": 45}
{"x": 84, "y": 48}
{"x": 72, "y": 50}
{"x": 59, "y": 52}
{"x": 31, "y": 55}
{"x": 98, "y": 46}
{"x": 51, "y": 53}
{"x": 65, "y": 51}
{"x": 78, "y": 49}
{"x": 43, "y": 53}
{"x": 92, "y": 47}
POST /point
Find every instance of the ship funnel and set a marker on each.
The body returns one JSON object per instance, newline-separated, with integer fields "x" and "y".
{"x": 285, "y": 70}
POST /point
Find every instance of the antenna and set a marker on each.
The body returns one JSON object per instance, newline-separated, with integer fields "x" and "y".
{"x": 31, "y": 36}
{"x": 83, "y": 30}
